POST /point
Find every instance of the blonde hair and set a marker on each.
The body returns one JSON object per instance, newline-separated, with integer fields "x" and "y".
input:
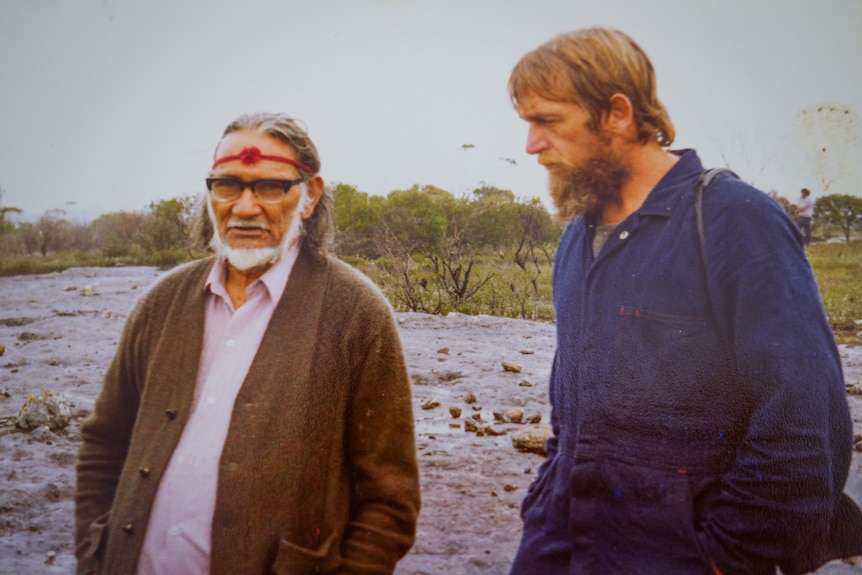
{"x": 589, "y": 66}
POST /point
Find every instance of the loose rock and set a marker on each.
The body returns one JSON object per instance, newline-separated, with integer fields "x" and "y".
{"x": 430, "y": 404}
{"x": 532, "y": 439}
{"x": 455, "y": 412}
{"x": 513, "y": 367}
{"x": 48, "y": 409}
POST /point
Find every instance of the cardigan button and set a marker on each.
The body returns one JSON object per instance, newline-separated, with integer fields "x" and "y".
{"x": 171, "y": 413}
{"x": 128, "y": 528}
{"x": 144, "y": 471}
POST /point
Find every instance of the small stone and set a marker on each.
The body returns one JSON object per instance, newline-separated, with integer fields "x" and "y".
{"x": 525, "y": 383}
{"x": 509, "y": 488}
{"x": 493, "y": 432}
{"x": 70, "y": 288}
{"x": 532, "y": 439}
{"x": 41, "y": 434}
{"x": 455, "y": 425}
{"x": 455, "y": 412}
{"x": 526, "y": 352}
{"x": 534, "y": 418}
{"x": 430, "y": 404}
{"x": 53, "y": 361}
{"x": 515, "y": 415}
{"x": 2, "y": 349}
{"x": 855, "y": 389}
{"x": 859, "y": 446}
{"x": 444, "y": 350}
{"x": 513, "y": 367}
{"x": 471, "y": 397}
{"x": 477, "y": 416}
{"x": 48, "y": 409}
{"x": 476, "y": 408}
{"x": 471, "y": 426}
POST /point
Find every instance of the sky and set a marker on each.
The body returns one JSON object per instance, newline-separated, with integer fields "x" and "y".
{"x": 109, "y": 105}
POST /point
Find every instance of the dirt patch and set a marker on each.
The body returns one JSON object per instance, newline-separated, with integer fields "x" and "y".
{"x": 472, "y": 484}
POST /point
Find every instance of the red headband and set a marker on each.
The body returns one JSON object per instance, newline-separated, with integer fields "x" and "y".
{"x": 249, "y": 156}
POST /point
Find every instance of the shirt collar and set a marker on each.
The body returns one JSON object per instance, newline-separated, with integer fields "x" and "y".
{"x": 274, "y": 279}
{"x": 673, "y": 184}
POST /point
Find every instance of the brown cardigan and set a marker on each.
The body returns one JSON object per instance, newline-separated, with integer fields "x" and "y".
{"x": 318, "y": 472}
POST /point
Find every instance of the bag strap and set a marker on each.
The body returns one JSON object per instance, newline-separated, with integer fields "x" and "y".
{"x": 700, "y": 187}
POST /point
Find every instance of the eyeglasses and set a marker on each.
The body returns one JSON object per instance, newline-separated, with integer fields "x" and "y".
{"x": 266, "y": 191}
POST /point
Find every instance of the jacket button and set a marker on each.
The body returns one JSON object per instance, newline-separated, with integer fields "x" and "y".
{"x": 128, "y": 528}
{"x": 171, "y": 413}
{"x": 624, "y": 234}
{"x": 144, "y": 471}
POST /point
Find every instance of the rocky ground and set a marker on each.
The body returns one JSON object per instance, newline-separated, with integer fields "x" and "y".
{"x": 59, "y": 331}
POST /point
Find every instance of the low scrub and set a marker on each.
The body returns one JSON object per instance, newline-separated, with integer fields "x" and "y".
{"x": 838, "y": 268}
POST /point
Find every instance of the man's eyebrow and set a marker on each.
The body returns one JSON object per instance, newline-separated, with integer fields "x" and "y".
{"x": 540, "y": 116}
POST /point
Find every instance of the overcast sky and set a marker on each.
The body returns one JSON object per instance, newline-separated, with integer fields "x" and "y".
{"x": 109, "y": 105}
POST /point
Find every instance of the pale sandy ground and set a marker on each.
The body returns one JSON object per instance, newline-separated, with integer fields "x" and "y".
{"x": 58, "y": 338}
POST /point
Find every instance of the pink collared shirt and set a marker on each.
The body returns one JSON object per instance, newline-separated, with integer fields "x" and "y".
{"x": 178, "y": 535}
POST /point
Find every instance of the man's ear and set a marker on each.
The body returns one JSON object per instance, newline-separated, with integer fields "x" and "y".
{"x": 619, "y": 119}
{"x": 315, "y": 191}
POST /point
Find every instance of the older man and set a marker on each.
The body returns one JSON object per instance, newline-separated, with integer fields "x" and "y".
{"x": 700, "y": 418}
{"x": 257, "y": 416}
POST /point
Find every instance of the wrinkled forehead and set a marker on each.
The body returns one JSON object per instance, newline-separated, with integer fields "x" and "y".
{"x": 234, "y": 142}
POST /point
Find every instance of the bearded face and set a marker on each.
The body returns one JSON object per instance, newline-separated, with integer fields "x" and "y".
{"x": 588, "y": 187}
{"x": 243, "y": 258}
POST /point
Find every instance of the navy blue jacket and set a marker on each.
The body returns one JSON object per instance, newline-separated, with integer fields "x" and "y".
{"x": 699, "y": 415}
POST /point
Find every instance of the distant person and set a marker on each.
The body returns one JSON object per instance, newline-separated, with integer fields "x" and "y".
{"x": 804, "y": 213}
{"x": 257, "y": 418}
{"x": 700, "y": 419}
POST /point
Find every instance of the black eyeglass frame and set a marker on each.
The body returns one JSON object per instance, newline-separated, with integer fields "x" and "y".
{"x": 243, "y": 184}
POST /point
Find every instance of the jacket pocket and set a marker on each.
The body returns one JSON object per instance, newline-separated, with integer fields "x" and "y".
{"x": 639, "y": 519}
{"x": 97, "y": 535}
{"x": 295, "y": 560}
{"x": 669, "y": 367}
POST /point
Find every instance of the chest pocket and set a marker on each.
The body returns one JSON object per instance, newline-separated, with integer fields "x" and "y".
{"x": 668, "y": 371}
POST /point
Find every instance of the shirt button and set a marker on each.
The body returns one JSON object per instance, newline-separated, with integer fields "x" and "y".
{"x": 211, "y": 400}
{"x": 175, "y": 530}
{"x": 624, "y": 234}
{"x": 230, "y": 343}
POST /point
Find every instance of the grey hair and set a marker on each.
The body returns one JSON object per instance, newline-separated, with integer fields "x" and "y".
{"x": 319, "y": 229}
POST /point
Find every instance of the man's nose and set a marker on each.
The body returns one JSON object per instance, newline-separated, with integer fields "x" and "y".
{"x": 536, "y": 142}
{"x": 246, "y": 203}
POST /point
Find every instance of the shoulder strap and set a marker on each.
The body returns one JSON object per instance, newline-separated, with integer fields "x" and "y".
{"x": 702, "y": 184}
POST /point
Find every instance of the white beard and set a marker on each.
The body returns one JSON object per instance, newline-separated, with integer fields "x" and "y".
{"x": 245, "y": 259}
